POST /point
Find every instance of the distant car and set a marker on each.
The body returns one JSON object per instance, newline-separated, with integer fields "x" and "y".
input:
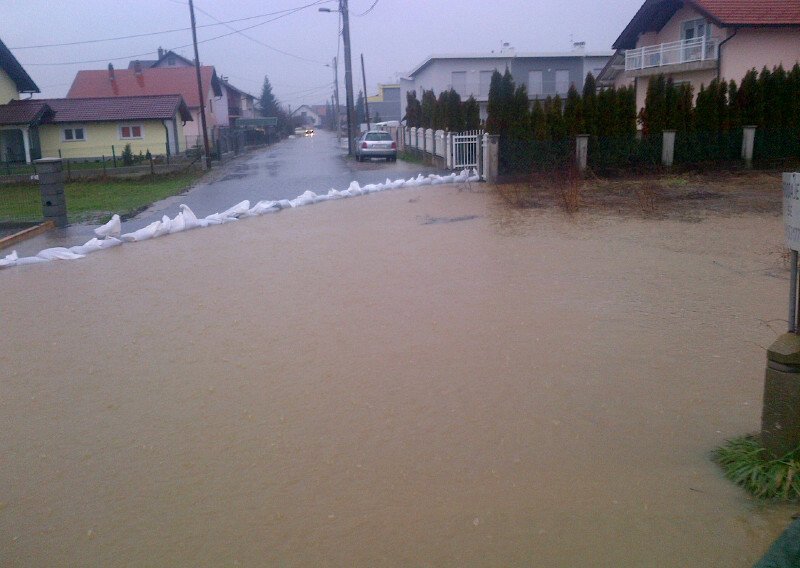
{"x": 309, "y": 132}
{"x": 376, "y": 144}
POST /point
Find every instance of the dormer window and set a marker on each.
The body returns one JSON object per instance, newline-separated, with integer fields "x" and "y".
{"x": 696, "y": 29}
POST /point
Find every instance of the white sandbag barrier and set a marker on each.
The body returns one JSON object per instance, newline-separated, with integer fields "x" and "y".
{"x": 109, "y": 235}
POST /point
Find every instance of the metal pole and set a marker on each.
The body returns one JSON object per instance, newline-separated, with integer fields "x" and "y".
{"x": 793, "y": 293}
{"x": 366, "y": 104}
{"x": 348, "y": 73}
{"x": 207, "y": 159}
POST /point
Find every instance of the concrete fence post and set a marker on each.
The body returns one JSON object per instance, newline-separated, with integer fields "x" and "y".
{"x": 51, "y": 189}
{"x": 748, "y": 139}
{"x": 433, "y": 146}
{"x": 492, "y": 158}
{"x": 483, "y": 157}
{"x": 448, "y": 154}
{"x": 581, "y": 151}
{"x": 668, "y": 148}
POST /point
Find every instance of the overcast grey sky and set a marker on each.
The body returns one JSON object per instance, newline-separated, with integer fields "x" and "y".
{"x": 394, "y": 36}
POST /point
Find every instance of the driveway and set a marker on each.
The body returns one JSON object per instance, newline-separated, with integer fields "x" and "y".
{"x": 282, "y": 171}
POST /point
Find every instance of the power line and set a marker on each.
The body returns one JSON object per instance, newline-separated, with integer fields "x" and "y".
{"x": 109, "y": 59}
{"x": 149, "y": 34}
{"x": 368, "y": 10}
{"x": 259, "y": 42}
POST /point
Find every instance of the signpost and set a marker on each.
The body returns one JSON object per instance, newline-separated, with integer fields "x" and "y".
{"x": 257, "y": 122}
{"x": 780, "y": 414}
{"x": 791, "y": 221}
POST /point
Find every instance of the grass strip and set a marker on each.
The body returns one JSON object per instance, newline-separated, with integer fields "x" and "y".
{"x": 90, "y": 201}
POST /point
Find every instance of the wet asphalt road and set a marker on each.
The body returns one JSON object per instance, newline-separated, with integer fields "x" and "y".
{"x": 282, "y": 171}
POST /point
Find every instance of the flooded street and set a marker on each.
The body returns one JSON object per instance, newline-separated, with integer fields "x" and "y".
{"x": 421, "y": 377}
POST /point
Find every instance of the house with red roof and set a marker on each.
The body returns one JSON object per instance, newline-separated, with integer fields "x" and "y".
{"x": 151, "y": 81}
{"x": 97, "y": 127}
{"x": 696, "y": 41}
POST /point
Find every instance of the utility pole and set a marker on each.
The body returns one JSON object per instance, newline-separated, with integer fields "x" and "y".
{"x": 348, "y": 73}
{"x": 336, "y": 99}
{"x": 366, "y": 103}
{"x": 206, "y": 149}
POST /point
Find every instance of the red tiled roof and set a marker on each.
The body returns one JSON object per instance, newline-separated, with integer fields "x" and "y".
{"x": 23, "y": 112}
{"x": 751, "y": 12}
{"x": 159, "y": 107}
{"x": 152, "y": 81}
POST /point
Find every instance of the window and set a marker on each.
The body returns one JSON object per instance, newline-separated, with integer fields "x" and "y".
{"x": 171, "y": 61}
{"x": 695, "y": 29}
{"x": 130, "y": 132}
{"x": 485, "y": 82}
{"x": 458, "y": 81}
{"x": 73, "y": 134}
{"x": 562, "y": 81}
{"x": 373, "y": 136}
{"x": 535, "y": 83}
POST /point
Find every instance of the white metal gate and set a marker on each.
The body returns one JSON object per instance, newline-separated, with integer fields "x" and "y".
{"x": 465, "y": 149}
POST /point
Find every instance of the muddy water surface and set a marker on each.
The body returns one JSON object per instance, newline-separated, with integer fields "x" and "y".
{"x": 352, "y": 384}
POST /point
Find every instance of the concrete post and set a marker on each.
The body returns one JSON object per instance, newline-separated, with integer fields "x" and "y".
{"x": 492, "y": 153}
{"x": 448, "y": 151}
{"x": 780, "y": 414}
{"x": 483, "y": 158}
{"x": 51, "y": 189}
{"x": 433, "y": 148}
{"x": 581, "y": 151}
{"x": 26, "y": 143}
{"x": 668, "y": 148}
{"x": 748, "y": 138}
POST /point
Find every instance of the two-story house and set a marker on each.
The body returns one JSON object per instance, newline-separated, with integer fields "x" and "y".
{"x": 178, "y": 80}
{"x": 545, "y": 74}
{"x": 386, "y": 104}
{"x": 696, "y": 41}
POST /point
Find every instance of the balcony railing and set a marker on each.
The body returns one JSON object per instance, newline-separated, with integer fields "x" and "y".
{"x": 673, "y": 53}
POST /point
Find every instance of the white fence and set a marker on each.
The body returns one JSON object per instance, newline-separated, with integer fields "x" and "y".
{"x": 457, "y": 150}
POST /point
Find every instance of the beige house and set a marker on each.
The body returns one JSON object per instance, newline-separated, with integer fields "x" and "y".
{"x": 696, "y": 41}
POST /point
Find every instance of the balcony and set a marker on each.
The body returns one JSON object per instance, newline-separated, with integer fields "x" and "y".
{"x": 693, "y": 50}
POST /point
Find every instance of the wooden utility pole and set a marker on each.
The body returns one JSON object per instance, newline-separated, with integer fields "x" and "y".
{"x": 348, "y": 73}
{"x": 206, "y": 149}
{"x": 366, "y": 104}
{"x": 336, "y": 98}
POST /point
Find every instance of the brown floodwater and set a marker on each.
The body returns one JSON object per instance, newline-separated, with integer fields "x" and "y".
{"x": 416, "y": 378}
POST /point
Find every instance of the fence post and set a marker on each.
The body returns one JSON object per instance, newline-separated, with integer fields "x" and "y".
{"x": 51, "y": 189}
{"x": 104, "y": 165}
{"x": 152, "y": 169}
{"x": 448, "y": 155}
{"x": 581, "y": 151}
{"x": 113, "y": 155}
{"x": 668, "y": 148}
{"x": 433, "y": 146}
{"x": 492, "y": 157}
{"x": 748, "y": 139}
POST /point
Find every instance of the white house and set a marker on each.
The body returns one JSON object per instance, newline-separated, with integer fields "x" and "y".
{"x": 544, "y": 74}
{"x": 307, "y": 115}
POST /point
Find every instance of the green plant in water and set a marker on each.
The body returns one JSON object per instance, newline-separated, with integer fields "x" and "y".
{"x": 746, "y": 462}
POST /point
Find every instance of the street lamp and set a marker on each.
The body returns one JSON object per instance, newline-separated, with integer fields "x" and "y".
{"x": 348, "y": 73}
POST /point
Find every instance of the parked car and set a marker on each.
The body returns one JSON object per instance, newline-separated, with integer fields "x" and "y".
{"x": 376, "y": 144}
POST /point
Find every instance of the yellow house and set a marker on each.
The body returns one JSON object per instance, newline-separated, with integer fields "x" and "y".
{"x": 97, "y": 127}
{"x": 13, "y": 81}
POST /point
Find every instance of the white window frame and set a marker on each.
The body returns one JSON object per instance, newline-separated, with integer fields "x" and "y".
{"x": 73, "y": 129}
{"x": 480, "y": 83}
{"x": 568, "y": 83}
{"x": 131, "y": 126}
{"x": 536, "y": 92}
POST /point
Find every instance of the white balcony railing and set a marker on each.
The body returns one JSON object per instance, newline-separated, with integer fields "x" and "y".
{"x": 673, "y": 53}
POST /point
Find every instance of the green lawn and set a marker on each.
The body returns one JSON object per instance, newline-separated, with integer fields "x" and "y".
{"x": 96, "y": 200}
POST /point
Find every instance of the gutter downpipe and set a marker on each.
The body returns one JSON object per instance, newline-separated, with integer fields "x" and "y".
{"x": 719, "y": 52}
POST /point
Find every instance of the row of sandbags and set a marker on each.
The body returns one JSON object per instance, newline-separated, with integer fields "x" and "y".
{"x": 109, "y": 235}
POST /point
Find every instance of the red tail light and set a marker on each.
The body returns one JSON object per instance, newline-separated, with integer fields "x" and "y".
{"x": 394, "y": 145}
{"x": 363, "y": 144}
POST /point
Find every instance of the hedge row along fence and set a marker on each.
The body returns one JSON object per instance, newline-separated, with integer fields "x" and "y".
{"x": 708, "y": 127}
{"x": 447, "y": 112}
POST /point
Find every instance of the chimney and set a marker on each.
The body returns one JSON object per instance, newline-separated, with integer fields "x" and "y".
{"x": 160, "y": 53}
{"x": 110, "y": 72}
{"x": 137, "y": 68}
